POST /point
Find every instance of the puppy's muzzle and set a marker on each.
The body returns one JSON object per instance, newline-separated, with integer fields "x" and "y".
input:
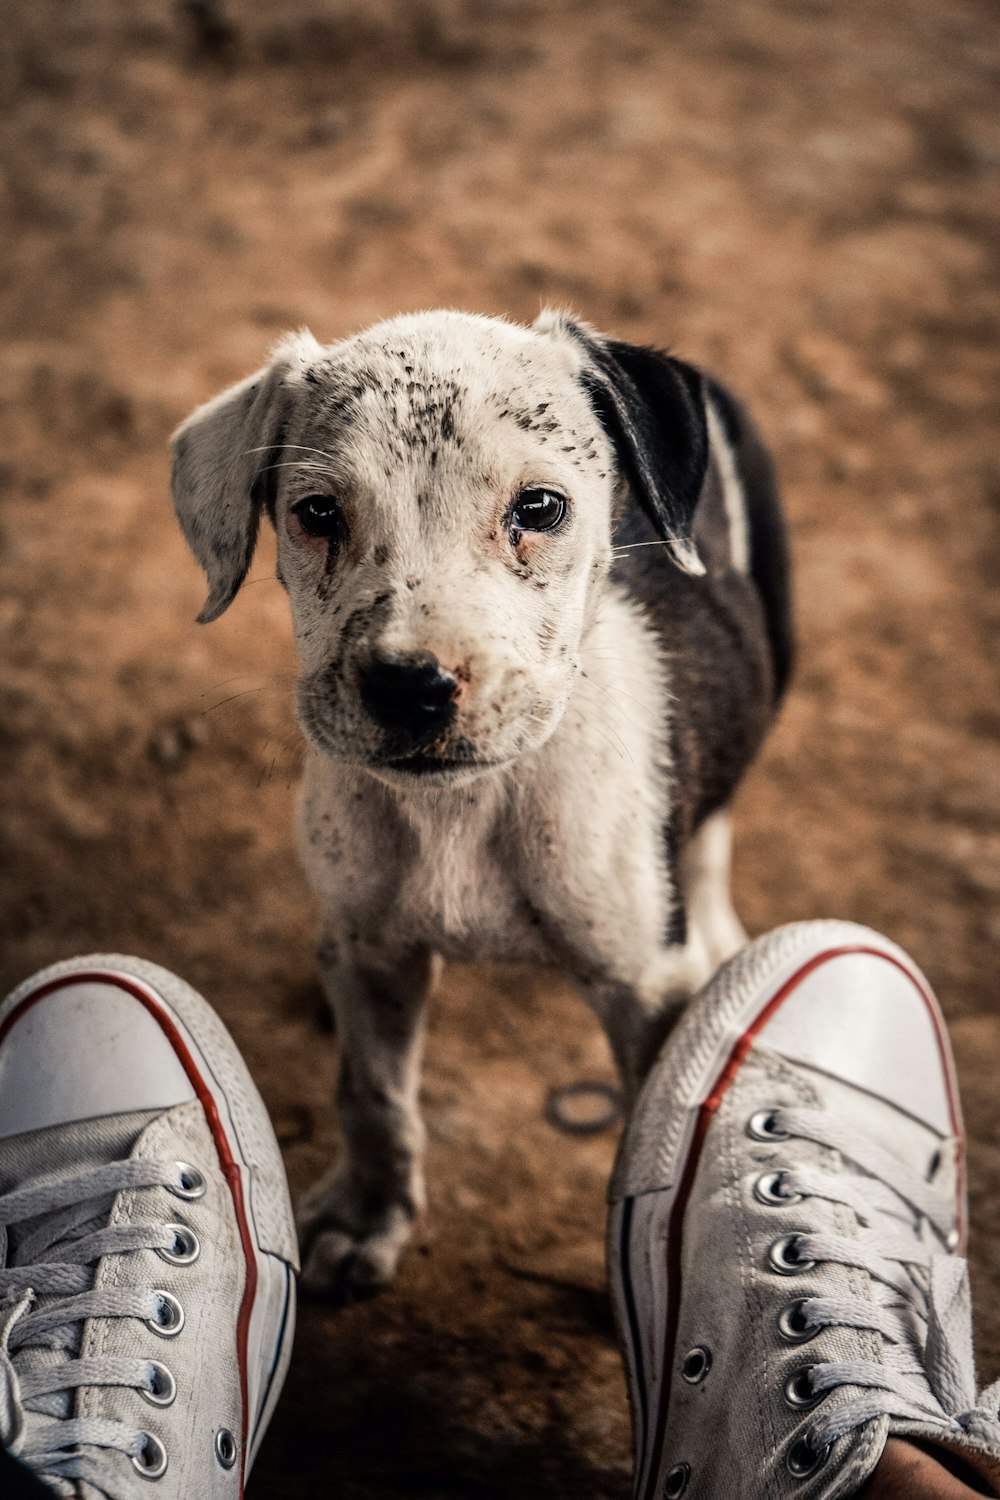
{"x": 410, "y": 697}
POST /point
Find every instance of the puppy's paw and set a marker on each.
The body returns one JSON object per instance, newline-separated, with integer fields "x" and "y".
{"x": 347, "y": 1255}
{"x": 342, "y": 1269}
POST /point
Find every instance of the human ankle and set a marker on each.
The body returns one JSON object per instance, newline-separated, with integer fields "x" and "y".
{"x": 906, "y": 1471}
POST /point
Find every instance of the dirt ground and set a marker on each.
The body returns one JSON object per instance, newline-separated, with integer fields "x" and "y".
{"x": 802, "y": 195}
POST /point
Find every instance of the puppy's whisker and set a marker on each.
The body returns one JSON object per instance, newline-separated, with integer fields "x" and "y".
{"x": 302, "y": 447}
{"x": 624, "y": 716}
{"x": 594, "y": 717}
{"x": 283, "y": 751}
{"x": 238, "y": 677}
{"x": 620, "y": 748}
{"x": 612, "y": 692}
{"x": 600, "y": 654}
{"x": 633, "y": 546}
{"x": 303, "y": 465}
{"x": 246, "y": 693}
{"x": 258, "y": 678}
{"x": 607, "y": 724}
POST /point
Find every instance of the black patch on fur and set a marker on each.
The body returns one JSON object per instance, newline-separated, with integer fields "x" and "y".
{"x": 770, "y": 565}
{"x": 677, "y": 925}
{"x": 715, "y": 637}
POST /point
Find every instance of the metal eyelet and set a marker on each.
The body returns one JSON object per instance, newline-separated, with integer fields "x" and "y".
{"x": 783, "y": 1257}
{"x": 151, "y": 1460}
{"x": 767, "y": 1189}
{"x": 761, "y": 1127}
{"x": 186, "y": 1247}
{"x": 676, "y": 1482}
{"x": 799, "y": 1389}
{"x": 163, "y": 1390}
{"x": 170, "y": 1319}
{"x": 792, "y": 1324}
{"x": 696, "y": 1364}
{"x": 190, "y": 1182}
{"x": 226, "y": 1448}
{"x": 803, "y": 1460}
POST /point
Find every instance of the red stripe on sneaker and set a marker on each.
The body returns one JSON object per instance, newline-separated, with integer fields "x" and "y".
{"x": 227, "y": 1162}
{"x": 706, "y": 1113}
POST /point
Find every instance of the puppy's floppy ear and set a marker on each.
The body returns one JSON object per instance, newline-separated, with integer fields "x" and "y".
{"x": 652, "y": 407}
{"x": 224, "y": 457}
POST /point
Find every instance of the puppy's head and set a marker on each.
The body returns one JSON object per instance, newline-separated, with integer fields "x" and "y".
{"x": 443, "y": 489}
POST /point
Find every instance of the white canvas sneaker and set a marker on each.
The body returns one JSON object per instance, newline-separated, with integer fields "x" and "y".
{"x": 146, "y": 1243}
{"x": 787, "y": 1217}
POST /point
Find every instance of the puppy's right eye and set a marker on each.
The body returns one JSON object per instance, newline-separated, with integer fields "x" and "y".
{"x": 322, "y": 516}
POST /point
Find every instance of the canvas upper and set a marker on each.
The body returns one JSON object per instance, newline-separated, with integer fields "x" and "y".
{"x": 787, "y": 1214}
{"x": 147, "y": 1252}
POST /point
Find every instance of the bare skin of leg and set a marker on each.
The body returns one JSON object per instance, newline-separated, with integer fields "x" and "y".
{"x": 906, "y": 1472}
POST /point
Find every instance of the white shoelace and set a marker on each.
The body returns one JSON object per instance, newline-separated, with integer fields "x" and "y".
{"x": 45, "y": 1296}
{"x": 921, "y": 1304}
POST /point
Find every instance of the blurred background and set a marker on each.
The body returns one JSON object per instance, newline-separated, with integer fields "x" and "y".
{"x": 802, "y": 195}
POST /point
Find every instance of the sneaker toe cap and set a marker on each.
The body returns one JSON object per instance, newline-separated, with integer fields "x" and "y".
{"x": 85, "y": 1046}
{"x": 869, "y": 1019}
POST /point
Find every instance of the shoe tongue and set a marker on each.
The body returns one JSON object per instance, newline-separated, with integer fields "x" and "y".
{"x": 81, "y": 1144}
{"x": 78, "y": 1146}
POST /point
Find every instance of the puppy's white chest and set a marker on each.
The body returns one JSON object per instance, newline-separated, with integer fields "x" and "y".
{"x": 460, "y": 895}
{"x": 474, "y": 917}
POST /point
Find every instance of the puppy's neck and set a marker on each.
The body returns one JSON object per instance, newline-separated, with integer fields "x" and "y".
{"x": 623, "y": 681}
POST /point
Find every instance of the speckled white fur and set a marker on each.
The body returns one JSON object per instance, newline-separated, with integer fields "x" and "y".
{"x": 425, "y": 427}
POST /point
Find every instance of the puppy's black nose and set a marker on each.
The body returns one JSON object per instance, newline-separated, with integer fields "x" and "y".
{"x": 409, "y": 695}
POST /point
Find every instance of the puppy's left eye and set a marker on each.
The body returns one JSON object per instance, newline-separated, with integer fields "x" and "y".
{"x": 537, "y": 510}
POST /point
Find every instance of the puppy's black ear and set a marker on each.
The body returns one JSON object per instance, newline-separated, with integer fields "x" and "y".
{"x": 224, "y": 457}
{"x": 652, "y": 407}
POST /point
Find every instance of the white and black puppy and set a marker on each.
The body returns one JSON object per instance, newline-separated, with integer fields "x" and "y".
{"x": 539, "y": 587}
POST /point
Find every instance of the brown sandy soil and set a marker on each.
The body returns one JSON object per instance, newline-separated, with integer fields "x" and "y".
{"x": 799, "y": 193}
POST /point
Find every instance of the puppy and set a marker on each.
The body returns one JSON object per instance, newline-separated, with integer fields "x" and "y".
{"x": 539, "y": 585}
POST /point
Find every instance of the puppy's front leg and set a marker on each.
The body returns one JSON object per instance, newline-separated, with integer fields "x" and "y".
{"x": 355, "y": 1221}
